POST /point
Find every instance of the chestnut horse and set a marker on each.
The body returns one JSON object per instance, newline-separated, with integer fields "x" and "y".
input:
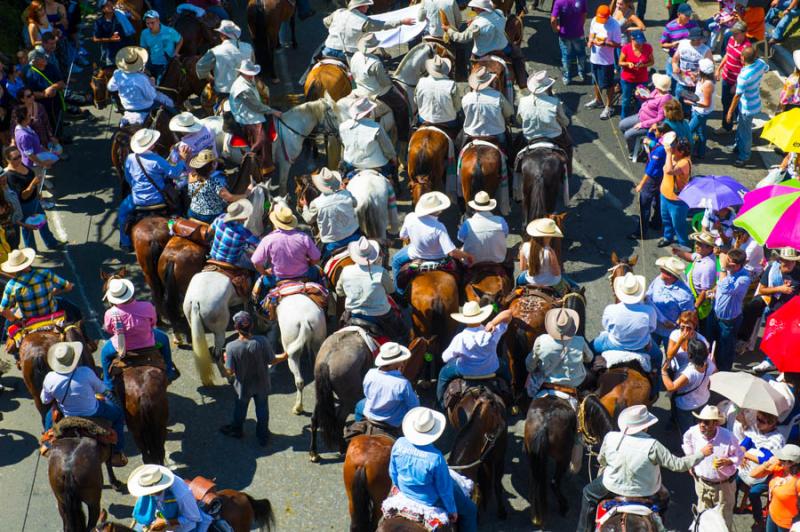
{"x": 427, "y": 162}
{"x": 150, "y": 236}
{"x": 99, "y": 85}
{"x": 197, "y": 32}
{"x": 180, "y": 260}
{"x": 488, "y": 284}
{"x": 322, "y": 78}
{"x": 366, "y": 479}
{"x": 481, "y": 168}
{"x": 264, "y": 18}
{"x": 433, "y": 296}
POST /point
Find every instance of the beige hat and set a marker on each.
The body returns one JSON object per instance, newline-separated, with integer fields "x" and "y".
{"x": 391, "y": 353}
{"x": 283, "y": 218}
{"x": 635, "y": 419}
{"x": 788, "y": 254}
{"x": 662, "y": 82}
{"x": 561, "y": 323}
{"x": 185, "y": 122}
{"x": 704, "y": 237}
{"x": 423, "y": 426}
{"x": 229, "y": 29}
{"x": 364, "y": 251}
{"x": 18, "y": 260}
{"x": 149, "y": 479}
{"x": 544, "y": 227}
{"x": 239, "y": 210}
{"x": 431, "y": 203}
{"x": 368, "y": 44}
{"x": 358, "y": 3}
{"x": 119, "y": 291}
{"x": 63, "y": 357}
{"x": 540, "y": 82}
{"x": 327, "y": 180}
{"x": 203, "y": 158}
{"x": 361, "y": 108}
{"x": 710, "y": 413}
{"x": 629, "y": 288}
{"x": 672, "y": 265}
{"x": 144, "y": 139}
{"x": 439, "y": 67}
{"x": 486, "y": 5}
{"x": 480, "y": 78}
{"x": 482, "y": 202}
{"x": 472, "y": 313}
{"x": 788, "y": 453}
{"x": 248, "y": 68}
{"x": 131, "y": 59}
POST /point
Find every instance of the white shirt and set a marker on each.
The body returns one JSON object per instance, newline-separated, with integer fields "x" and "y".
{"x": 429, "y": 10}
{"x": 484, "y": 237}
{"x": 689, "y": 57}
{"x": 547, "y": 276}
{"x": 365, "y": 289}
{"x": 755, "y": 258}
{"x": 695, "y": 393}
{"x": 771, "y": 441}
{"x": 428, "y": 238}
{"x": 487, "y": 31}
{"x": 370, "y": 75}
{"x": 698, "y": 90}
{"x": 344, "y": 29}
{"x": 485, "y": 112}
{"x": 435, "y": 100}
{"x": 227, "y": 58}
{"x": 681, "y": 358}
{"x": 335, "y": 215}
{"x": 366, "y": 144}
{"x": 242, "y": 112}
{"x": 611, "y": 31}
{"x": 541, "y": 116}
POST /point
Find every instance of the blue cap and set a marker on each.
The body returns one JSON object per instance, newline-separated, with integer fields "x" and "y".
{"x": 151, "y": 14}
{"x": 638, "y": 36}
{"x": 684, "y": 9}
{"x": 695, "y": 33}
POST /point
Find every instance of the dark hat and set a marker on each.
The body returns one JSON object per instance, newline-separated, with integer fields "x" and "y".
{"x": 242, "y": 321}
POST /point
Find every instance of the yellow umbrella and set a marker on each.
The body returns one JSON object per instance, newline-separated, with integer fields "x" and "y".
{"x": 784, "y": 131}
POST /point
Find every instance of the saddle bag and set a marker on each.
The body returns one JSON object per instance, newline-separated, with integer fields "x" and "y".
{"x": 204, "y": 491}
{"x": 192, "y": 230}
{"x": 370, "y": 428}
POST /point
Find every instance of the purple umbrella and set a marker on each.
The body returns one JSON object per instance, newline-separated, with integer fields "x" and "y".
{"x": 713, "y": 191}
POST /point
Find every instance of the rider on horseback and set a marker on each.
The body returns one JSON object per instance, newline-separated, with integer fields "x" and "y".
{"x": 437, "y": 103}
{"x": 162, "y": 43}
{"x": 429, "y": 10}
{"x": 538, "y": 262}
{"x": 137, "y": 94}
{"x": 631, "y": 463}
{"x": 195, "y": 137}
{"x": 366, "y": 146}
{"x": 334, "y": 211}
{"x": 486, "y": 110}
{"x": 484, "y": 234}
{"x": 346, "y": 25}
{"x": 224, "y": 59}
{"x": 164, "y": 501}
{"x": 231, "y": 237}
{"x": 208, "y": 188}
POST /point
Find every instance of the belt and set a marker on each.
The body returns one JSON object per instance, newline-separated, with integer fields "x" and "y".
{"x": 716, "y": 482}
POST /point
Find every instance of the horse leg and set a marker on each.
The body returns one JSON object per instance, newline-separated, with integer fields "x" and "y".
{"x": 497, "y": 481}
{"x": 313, "y": 454}
{"x": 292, "y": 23}
{"x": 219, "y": 347}
{"x": 112, "y": 479}
{"x": 294, "y": 367}
{"x": 561, "y": 468}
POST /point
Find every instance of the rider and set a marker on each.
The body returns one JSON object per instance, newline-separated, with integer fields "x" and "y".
{"x": 473, "y": 352}
{"x": 334, "y": 211}
{"x": 164, "y": 501}
{"x": 388, "y": 396}
{"x": 137, "y": 94}
{"x": 74, "y": 389}
{"x": 631, "y": 462}
{"x": 132, "y": 326}
{"x": 669, "y": 296}
{"x": 146, "y": 173}
{"x": 436, "y": 96}
{"x": 162, "y": 43}
{"x": 194, "y": 138}
{"x": 484, "y": 234}
{"x": 538, "y": 263}
{"x": 366, "y": 146}
{"x": 208, "y": 188}
{"x": 224, "y": 59}
{"x": 346, "y": 25}
{"x": 231, "y": 238}
{"x": 486, "y": 110}
{"x": 430, "y": 11}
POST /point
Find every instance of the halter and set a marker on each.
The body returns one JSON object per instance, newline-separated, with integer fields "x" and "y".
{"x": 489, "y": 441}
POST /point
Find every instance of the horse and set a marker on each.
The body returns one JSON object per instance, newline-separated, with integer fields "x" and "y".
{"x": 366, "y": 479}
{"x": 488, "y": 284}
{"x": 633, "y": 522}
{"x": 121, "y": 144}
{"x": 428, "y": 154}
{"x": 481, "y": 168}
{"x": 99, "y": 85}
{"x": 619, "y": 267}
{"x": 433, "y": 296}
{"x": 327, "y": 78}
{"x": 376, "y": 204}
{"x": 180, "y": 80}
{"x": 543, "y": 173}
{"x": 197, "y": 32}
{"x": 264, "y": 19}
{"x": 594, "y": 421}
{"x": 150, "y": 236}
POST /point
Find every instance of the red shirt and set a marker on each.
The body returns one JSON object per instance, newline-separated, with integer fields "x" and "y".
{"x": 638, "y": 74}
{"x": 733, "y": 60}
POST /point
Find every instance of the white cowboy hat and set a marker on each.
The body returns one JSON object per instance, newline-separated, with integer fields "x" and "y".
{"x": 18, "y": 260}
{"x": 482, "y": 202}
{"x": 540, "y": 82}
{"x": 486, "y": 5}
{"x": 785, "y": 403}
{"x": 439, "y": 67}
{"x": 148, "y": 479}
{"x": 229, "y": 29}
{"x": 706, "y": 66}
{"x": 203, "y": 158}
{"x": 710, "y": 413}
{"x": 788, "y": 453}
{"x": 63, "y": 357}
{"x": 544, "y": 227}
{"x": 119, "y": 291}
{"x": 662, "y": 82}
{"x": 796, "y": 58}
{"x": 361, "y": 108}
{"x": 472, "y": 313}
{"x": 327, "y": 180}
{"x": 283, "y": 218}
{"x": 368, "y": 44}
{"x": 431, "y": 203}
{"x": 788, "y": 254}
{"x": 629, "y": 288}
{"x": 248, "y": 68}
{"x": 144, "y": 139}
{"x": 131, "y": 59}
{"x": 672, "y": 265}
{"x": 185, "y": 122}
{"x": 635, "y": 419}
{"x": 358, "y": 3}
{"x": 480, "y": 78}
{"x": 561, "y": 323}
{"x": 239, "y": 210}
{"x": 391, "y": 353}
{"x": 704, "y": 237}
{"x": 364, "y": 251}
{"x": 423, "y": 426}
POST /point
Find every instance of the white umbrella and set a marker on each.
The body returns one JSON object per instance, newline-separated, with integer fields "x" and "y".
{"x": 746, "y": 391}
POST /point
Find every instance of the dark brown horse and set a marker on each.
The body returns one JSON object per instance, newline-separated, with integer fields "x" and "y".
{"x": 366, "y": 479}
{"x": 480, "y": 168}
{"x": 99, "y": 85}
{"x": 180, "y": 80}
{"x": 619, "y": 267}
{"x": 433, "y": 295}
{"x": 150, "y": 236}
{"x": 264, "y": 18}
{"x": 630, "y": 522}
{"x": 488, "y": 284}
{"x": 543, "y": 173}
{"x": 197, "y": 32}
{"x": 180, "y": 260}
{"x": 427, "y": 162}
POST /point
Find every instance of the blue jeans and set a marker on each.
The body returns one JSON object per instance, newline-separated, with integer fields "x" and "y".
{"x": 668, "y": 72}
{"x": 207, "y": 218}
{"x": 108, "y": 354}
{"x": 271, "y": 281}
{"x": 330, "y": 247}
{"x": 628, "y": 102}
{"x": 724, "y": 332}
{"x": 572, "y": 50}
{"x": 338, "y": 54}
{"x": 683, "y": 418}
{"x": 756, "y": 491}
{"x": 30, "y": 208}
{"x": 772, "y": 527}
{"x": 107, "y": 410}
{"x": 467, "y": 511}
{"x": 673, "y": 216}
{"x": 697, "y": 128}
{"x": 156, "y": 71}
{"x": 649, "y": 199}
{"x": 126, "y": 208}
{"x": 783, "y": 24}
{"x": 744, "y": 135}
{"x": 450, "y": 371}
{"x": 400, "y": 258}
{"x": 358, "y": 412}
{"x": 262, "y": 413}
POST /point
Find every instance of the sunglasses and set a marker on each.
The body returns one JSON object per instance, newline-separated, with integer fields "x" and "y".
{"x": 17, "y": 158}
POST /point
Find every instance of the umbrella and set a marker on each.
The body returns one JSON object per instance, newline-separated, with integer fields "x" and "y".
{"x": 713, "y": 192}
{"x": 781, "y": 336}
{"x": 771, "y": 215}
{"x": 746, "y": 391}
{"x": 784, "y": 130}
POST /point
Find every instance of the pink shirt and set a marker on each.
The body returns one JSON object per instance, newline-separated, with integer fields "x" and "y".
{"x": 725, "y": 444}
{"x": 288, "y": 252}
{"x": 138, "y": 319}
{"x": 652, "y": 110}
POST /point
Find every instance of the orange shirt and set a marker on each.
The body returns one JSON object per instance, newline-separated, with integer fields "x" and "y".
{"x": 677, "y": 179}
{"x": 783, "y": 491}
{"x": 754, "y": 18}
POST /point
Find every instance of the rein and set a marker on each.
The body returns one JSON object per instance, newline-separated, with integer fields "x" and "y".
{"x": 489, "y": 442}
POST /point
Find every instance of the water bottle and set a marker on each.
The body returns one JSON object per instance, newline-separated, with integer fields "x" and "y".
{"x": 119, "y": 332}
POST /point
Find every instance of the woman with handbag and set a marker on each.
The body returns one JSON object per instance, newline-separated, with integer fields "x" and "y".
{"x": 691, "y": 387}
{"x": 208, "y": 192}
{"x": 784, "y": 487}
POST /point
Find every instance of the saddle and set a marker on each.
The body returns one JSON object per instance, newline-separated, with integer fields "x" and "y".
{"x": 460, "y": 386}
{"x": 140, "y": 213}
{"x": 369, "y": 427}
{"x": 146, "y": 356}
{"x": 333, "y": 61}
{"x": 240, "y": 278}
{"x": 540, "y": 143}
{"x": 78, "y": 427}
{"x": 480, "y": 270}
{"x": 316, "y": 292}
{"x": 411, "y": 269}
{"x": 17, "y": 333}
{"x": 192, "y": 230}
{"x": 204, "y": 491}
{"x": 335, "y": 264}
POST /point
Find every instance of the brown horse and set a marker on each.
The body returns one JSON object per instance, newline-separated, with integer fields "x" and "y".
{"x": 498, "y": 68}
{"x": 264, "y": 19}
{"x": 480, "y": 168}
{"x": 99, "y": 85}
{"x": 328, "y": 78}
{"x": 366, "y": 479}
{"x": 629, "y": 522}
{"x": 543, "y": 173}
{"x": 180, "y": 260}
{"x": 427, "y": 162}
{"x": 433, "y": 295}
{"x": 488, "y": 284}
{"x": 150, "y": 236}
{"x": 180, "y": 80}
{"x": 197, "y": 32}
{"x": 619, "y": 267}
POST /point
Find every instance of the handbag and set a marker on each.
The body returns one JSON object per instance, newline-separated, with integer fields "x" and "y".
{"x": 172, "y": 196}
{"x": 775, "y": 175}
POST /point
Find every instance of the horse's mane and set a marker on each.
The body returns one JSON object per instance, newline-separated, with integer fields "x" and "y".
{"x": 594, "y": 421}
{"x": 411, "y": 54}
{"x": 486, "y": 400}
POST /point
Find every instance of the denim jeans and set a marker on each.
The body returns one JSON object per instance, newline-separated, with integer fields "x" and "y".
{"x": 108, "y": 354}
{"x": 400, "y": 258}
{"x": 629, "y": 132}
{"x": 783, "y": 24}
{"x": 756, "y": 491}
{"x": 683, "y": 418}
{"x": 628, "y": 102}
{"x": 726, "y": 95}
{"x": 126, "y": 208}
{"x": 450, "y": 371}
{"x": 744, "y": 135}
{"x": 262, "y": 413}
{"x": 330, "y": 247}
{"x": 467, "y": 511}
{"x": 649, "y": 204}
{"x": 30, "y": 208}
{"x": 271, "y": 281}
{"x": 724, "y": 332}
{"x": 572, "y": 50}
{"x": 593, "y": 493}
{"x": 668, "y": 72}
{"x": 156, "y": 71}
{"x": 106, "y": 410}
{"x": 207, "y": 218}
{"x": 338, "y": 54}
{"x": 772, "y": 527}
{"x": 697, "y": 128}
{"x": 673, "y": 216}
{"x": 602, "y": 342}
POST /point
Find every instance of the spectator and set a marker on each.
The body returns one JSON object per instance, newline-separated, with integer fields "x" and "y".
{"x": 728, "y": 302}
{"x": 790, "y": 94}
{"x": 674, "y": 7}
{"x": 754, "y": 251}
{"x": 604, "y": 37}
{"x": 108, "y": 32}
{"x": 754, "y": 17}
{"x": 747, "y": 103}
{"x": 784, "y": 487}
{"x": 47, "y": 85}
{"x": 37, "y": 24}
{"x": 702, "y": 106}
{"x": 730, "y": 11}
{"x": 40, "y": 123}
{"x": 670, "y": 296}
{"x": 676, "y": 30}
{"x": 677, "y": 171}
{"x": 567, "y": 19}
{"x": 161, "y": 42}
{"x": 702, "y": 274}
{"x": 622, "y": 11}
{"x": 635, "y": 58}
{"x": 12, "y": 213}
{"x": 785, "y": 12}
{"x": 728, "y": 71}
{"x": 678, "y": 347}
{"x": 686, "y": 61}
{"x": 676, "y": 120}
{"x": 691, "y": 388}
{"x": 650, "y": 114}
{"x": 27, "y": 140}
{"x": 648, "y": 187}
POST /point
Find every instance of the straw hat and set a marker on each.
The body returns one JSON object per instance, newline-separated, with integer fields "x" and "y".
{"x": 788, "y": 453}
{"x": 144, "y": 139}
{"x": 480, "y": 78}
{"x": 239, "y": 210}
{"x": 629, "y": 288}
{"x": 283, "y": 218}
{"x": 391, "y": 353}
{"x": 672, "y": 265}
{"x": 482, "y": 202}
{"x": 185, "y": 122}
{"x": 662, "y": 82}
{"x": 248, "y": 68}
{"x": 710, "y": 413}
{"x": 149, "y": 479}
{"x": 327, "y": 180}
{"x": 472, "y": 313}
{"x": 704, "y": 237}
{"x": 544, "y": 227}
{"x": 431, "y": 203}
{"x": 368, "y": 44}
{"x": 561, "y": 323}
{"x": 358, "y": 3}
{"x": 131, "y": 59}
{"x": 486, "y": 5}
{"x": 788, "y": 254}
{"x": 63, "y": 357}
{"x": 364, "y": 251}
{"x": 539, "y": 82}
{"x": 361, "y": 107}
{"x": 119, "y": 291}
{"x": 18, "y": 260}
{"x": 603, "y": 13}
{"x": 439, "y": 67}
{"x": 635, "y": 419}
{"x": 229, "y": 29}
{"x": 203, "y": 158}
{"x": 423, "y": 426}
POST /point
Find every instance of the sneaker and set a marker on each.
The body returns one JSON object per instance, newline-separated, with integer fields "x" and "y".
{"x": 580, "y": 77}
{"x": 565, "y": 80}
{"x": 765, "y": 366}
{"x": 231, "y": 431}
{"x": 664, "y": 243}
{"x": 738, "y": 163}
{"x": 594, "y": 104}
{"x": 606, "y": 114}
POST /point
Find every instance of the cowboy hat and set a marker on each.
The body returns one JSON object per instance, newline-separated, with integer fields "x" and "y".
{"x": 672, "y": 265}
{"x": 361, "y": 108}
{"x": 423, "y": 426}
{"x": 119, "y": 291}
{"x": 327, "y": 180}
{"x": 635, "y": 419}
{"x": 472, "y": 313}
{"x": 63, "y": 357}
{"x": 229, "y": 29}
{"x": 248, "y": 68}
{"x": 539, "y": 82}
{"x": 144, "y": 139}
{"x": 203, "y": 158}
{"x": 561, "y": 323}
{"x": 480, "y": 78}
{"x": 482, "y": 202}
{"x": 239, "y": 210}
{"x": 704, "y": 237}
{"x": 629, "y": 288}
{"x": 185, "y": 122}
{"x": 131, "y": 59}
{"x": 789, "y": 254}
{"x": 148, "y": 479}
{"x": 544, "y": 227}
{"x": 439, "y": 67}
{"x": 391, "y": 353}
{"x": 283, "y": 218}
{"x": 368, "y": 44}
{"x": 662, "y": 82}
{"x": 486, "y": 5}
{"x": 788, "y": 453}
{"x": 18, "y": 260}
{"x": 710, "y": 413}
{"x": 431, "y": 203}
{"x": 359, "y": 3}
{"x": 364, "y": 251}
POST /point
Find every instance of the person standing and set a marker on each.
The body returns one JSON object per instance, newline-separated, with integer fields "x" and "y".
{"x": 605, "y": 35}
{"x": 702, "y": 106}
{"x": 677, "y": 171}
{"x": 728, "y": 302}
{"x": 728, "y": 71}
{"x": 702, "y": 274}
{"x": 676, "y": 30}
{"x": 784, "y": 487}
{"x": 670, "y": 296}
{"x": 648, "y": 188}
{"x": 686, "y": 61}
{"x": 162, "y": 43}
{"x": 635, "y": 58}
{"x": 567, "y": 19}
{"x": 690, "y": 388}
{"x": 108, "y": 32}
{"x": 746, "y": 103}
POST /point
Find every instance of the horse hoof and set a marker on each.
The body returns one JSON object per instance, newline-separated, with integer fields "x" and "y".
{"x": 514, "y": 410}
{"x": 314, "y": 458}
{"x": 297, "y": 410}
{"x": 537, "y": 522}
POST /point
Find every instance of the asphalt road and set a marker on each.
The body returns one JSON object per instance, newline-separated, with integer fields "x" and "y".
{"x": 309, "y": 496}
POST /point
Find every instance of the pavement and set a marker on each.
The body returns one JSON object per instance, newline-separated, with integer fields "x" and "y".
{"x": 308, "y": 496}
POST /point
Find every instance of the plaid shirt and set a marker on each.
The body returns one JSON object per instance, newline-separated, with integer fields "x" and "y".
{"x": 32, "y": 293}
{"x": 230, "y": 239}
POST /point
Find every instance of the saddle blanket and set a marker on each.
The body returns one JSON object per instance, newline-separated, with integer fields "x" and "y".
{"x": 373, "y": 346}
{"x": 615, "y": 358}
{"x": 573, "y": 402}
{"x": 316, "y": 292}
{"x": 431, "y": 517}
{"x": 88, "y": 427}
{"x": 503, "y": 201}
{"x": 16, "y": 333}
{"x": 332, "y": 263}
{"x": 626, "y": 508}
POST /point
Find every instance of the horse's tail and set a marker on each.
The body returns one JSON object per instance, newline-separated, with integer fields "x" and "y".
{"x": 532, "y": 169}
{"x": 304, "y": 332}
{"x": 73, "y": 506}
{"x": 152, "y": 419}
{"x": 262, "y": 511}
{"x": 172, "y": 302}
{"x": 537, "y": 458}
{"x": 325, "y": 409}
{"x": 373, "y": 218}
{"x": 257, "y": 21}
{"x": 202, "y": 356}
{"x": 153, "y": 254}
{"x": 316, "y": 89}
{"x": 362, "y": 502}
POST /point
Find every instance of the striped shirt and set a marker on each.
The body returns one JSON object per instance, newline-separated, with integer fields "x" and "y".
{"x": 674, "y": 31}
{"x": 230, "y": 240}
{"x": 748, "y": 84}
{"x": 733, "y": 60}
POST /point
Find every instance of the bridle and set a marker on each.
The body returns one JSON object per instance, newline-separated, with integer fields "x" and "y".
{"x": 489, "y": 440}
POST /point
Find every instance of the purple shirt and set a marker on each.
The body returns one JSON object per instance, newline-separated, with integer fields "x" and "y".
{"x": 288, "y": 252}
{"x": 571, "y": 15}
{"x": 28, "y": 143}
{"x": 652, "y": 110}
{"x": 138, "y": 319}
{"x": 704, "y": 272}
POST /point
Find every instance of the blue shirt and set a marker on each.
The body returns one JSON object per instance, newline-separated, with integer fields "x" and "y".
{"x": 475, "y": 350}
{"x": 158, "y": 169}
{"x": 748, "y": 86}
{"x": 669, "y": 301}
{"x": 389, "y": 396}
{"x": 79, "y": 399}
{"x": 630, "y": 326}
{"x": 729, "y": 297}
{"x": 655, "y": 165}
{"x": 161, "y": 45}
{"x": 230, "y": 239}
{"x": 136, "y": 92}
{"x": 421, "y": 474}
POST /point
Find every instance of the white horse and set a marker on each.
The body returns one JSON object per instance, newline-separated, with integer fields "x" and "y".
{"x": 412, "y": 67}
{"x": 376, "y": 207}
{"x": 708, "y": 519}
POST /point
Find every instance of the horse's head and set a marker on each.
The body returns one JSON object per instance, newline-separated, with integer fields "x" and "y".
{"x": 122, "y": 273}
{"x": 99, "y": 84}
{"x": 419, "y": 185}
{"x": 331, "y": 117}
{"x": 304, "y": 189}
{"x": 419, "y": 348}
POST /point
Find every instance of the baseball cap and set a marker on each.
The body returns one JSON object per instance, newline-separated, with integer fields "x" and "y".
{"x": 603, "y": 13}
{"x": 684, "y": 9}
{"x": 695, "y": 33}
{"x": 638, "y": 36}
{"x": 242, "y": 321}
{"x": 151, "y": 14}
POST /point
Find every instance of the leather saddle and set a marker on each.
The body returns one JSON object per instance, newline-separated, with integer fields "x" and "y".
{"x": 239, "y": 277}
{"x": 460, "y": 386}
{"x": 657, "y": 502}
{"x": 78, "y": 427}
{"x": 411, "y": 269}
{"x": 370, "y": 427}
{"x": 146, "y": 356}
{"x": 192, "y": 230}
{"x": 140, "y": 213}
{"x": 204, "y": 491}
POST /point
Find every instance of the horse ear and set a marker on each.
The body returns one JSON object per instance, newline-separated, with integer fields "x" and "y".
{"x": 633, "y": 260}
{"x": 559, "y": 218}
{"x": 614, "y": 258}
{"x": 104, "y": 276}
